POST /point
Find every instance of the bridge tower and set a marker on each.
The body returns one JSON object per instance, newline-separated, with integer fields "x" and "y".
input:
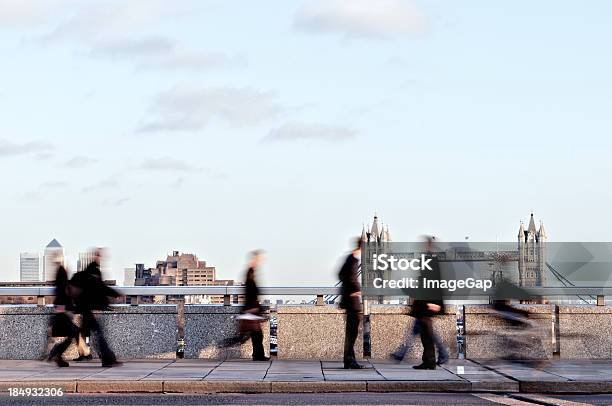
{"x": 532, "y": 254}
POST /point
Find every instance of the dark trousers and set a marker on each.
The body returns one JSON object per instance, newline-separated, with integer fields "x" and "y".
{"x": 257, "y": 342}
{"x": 91, "y": 325}
{"x": 60, "y": 348}
{"x": 427, "y": 339}
{"x": 350, "y": 336}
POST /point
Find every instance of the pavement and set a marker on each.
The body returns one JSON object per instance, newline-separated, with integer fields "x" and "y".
{"x": 198, "y": 376}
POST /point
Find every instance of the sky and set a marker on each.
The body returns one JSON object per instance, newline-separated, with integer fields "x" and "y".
{"x": 217, "y": 127}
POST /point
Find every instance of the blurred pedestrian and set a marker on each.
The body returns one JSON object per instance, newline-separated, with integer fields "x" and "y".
{"x": 410, "y": 334}
{"x": 91, "y": 293}
{"x": 251, "y": 316}
{"x": 61, "y": 323}
{"x": 428, "y": 304}
{"x": 252, "y": 309}
{"x": 351, "y": 301}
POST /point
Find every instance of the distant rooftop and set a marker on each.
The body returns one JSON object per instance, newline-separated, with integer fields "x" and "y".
{"x": 54, "y": 244}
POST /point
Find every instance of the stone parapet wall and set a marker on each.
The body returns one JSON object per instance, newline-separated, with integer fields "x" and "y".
{"x": 585, "y": 332}
{"x": 207, "y": 326}
{"x": 133, "y": 332}
{"x": 488, "y": 336}
{"x": 389, "y": 325}
{"x": 313, "y": 332}
{"x": 317, "y": 332}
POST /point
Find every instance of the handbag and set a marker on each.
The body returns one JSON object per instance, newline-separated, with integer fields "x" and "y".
{"x": 248, "y": 322}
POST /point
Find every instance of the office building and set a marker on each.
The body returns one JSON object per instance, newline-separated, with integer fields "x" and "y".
{"x": 53, "y": 251}
{"x": 29, "y": 267}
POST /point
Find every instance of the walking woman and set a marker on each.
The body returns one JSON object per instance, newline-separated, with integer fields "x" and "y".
{"x": 252, "y": 313}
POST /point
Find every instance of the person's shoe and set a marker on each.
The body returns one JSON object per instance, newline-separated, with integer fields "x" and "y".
{"x": 396, "y": 358}
{"x": 59, "y": 361}
{"x": 424, "y": 366}
{"x": 111, "y": 364}
{"x": 83, "y": 358}
{"x": 262, "y": 359}
{"x": 443, "y": 359}
{"x": 354, "y": 365}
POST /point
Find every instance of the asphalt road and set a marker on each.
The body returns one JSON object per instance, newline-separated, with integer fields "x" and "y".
{"x": 438, "y": 399}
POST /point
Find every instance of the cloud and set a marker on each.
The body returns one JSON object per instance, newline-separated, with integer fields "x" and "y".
{"x": 103, "y": 184}
{"x": 18, "y": 12}
{"x": 303, "y": 131}
{"x": 167, "y": 164}
{"x": 121, "y": 48}
{"x": 162, "y": 53}
{"x": 8, "y": 148}
{"x": 186, "y": 109}
{"x": 80, "y": 162}
{"x": 91, "y": 22}
{"x": 379, "y": 19}
{"x": 106, "y": 30}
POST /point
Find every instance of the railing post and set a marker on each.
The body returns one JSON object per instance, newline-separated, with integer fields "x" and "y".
{"x": 320, "y": 301}
{"x": 601, "y": 300}
{"x": 40, "y": 301}
{"x": 134, "y": 300}
{"x": 227, "y": 300}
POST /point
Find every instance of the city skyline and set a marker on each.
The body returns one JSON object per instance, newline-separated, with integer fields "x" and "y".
{"x": 371, "y": 231}
{"x": 211, "y": 128}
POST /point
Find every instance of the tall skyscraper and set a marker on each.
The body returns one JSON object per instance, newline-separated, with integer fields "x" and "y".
{"x": 85, "y": 258}
{"x": 52, "y": 250}
{"x": 29, "y": 267}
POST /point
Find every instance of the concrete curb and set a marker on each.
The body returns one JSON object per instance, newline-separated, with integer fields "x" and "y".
{"x": 217, "y": 386}
{"x": 211, "y": 386}
{"x": 119, "y": 386}
{"x": 419, "y": 386}
{"x": 319, "y": 386}
{"x": 508, "y": 386}
{"x": 565, "y": 387}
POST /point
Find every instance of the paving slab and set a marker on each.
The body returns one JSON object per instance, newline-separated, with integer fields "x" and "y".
{"x": 370, "y": 375}
{"x": 296, "y": 377}
{"x": 235, "y": 375}
{"x": 215, "y": 376}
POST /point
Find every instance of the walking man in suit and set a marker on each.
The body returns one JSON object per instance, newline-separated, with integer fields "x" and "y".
{"x": 351, "y": 302}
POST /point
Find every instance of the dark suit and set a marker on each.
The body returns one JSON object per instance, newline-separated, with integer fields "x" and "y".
{"x": 423, "y": 315}
{"x": 93, "y": 295}
{"x": 352, "y": 305}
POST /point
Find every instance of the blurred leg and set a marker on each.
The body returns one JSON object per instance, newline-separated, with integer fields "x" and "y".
{"x": 429, "y": 351}
{"x": 257, "y": 342}
{"x": 350, "y": 336}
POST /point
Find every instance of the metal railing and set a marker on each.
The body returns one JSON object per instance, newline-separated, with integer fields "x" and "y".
{"x": 320, "y": 292}
{"x": 227, "y": 292}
